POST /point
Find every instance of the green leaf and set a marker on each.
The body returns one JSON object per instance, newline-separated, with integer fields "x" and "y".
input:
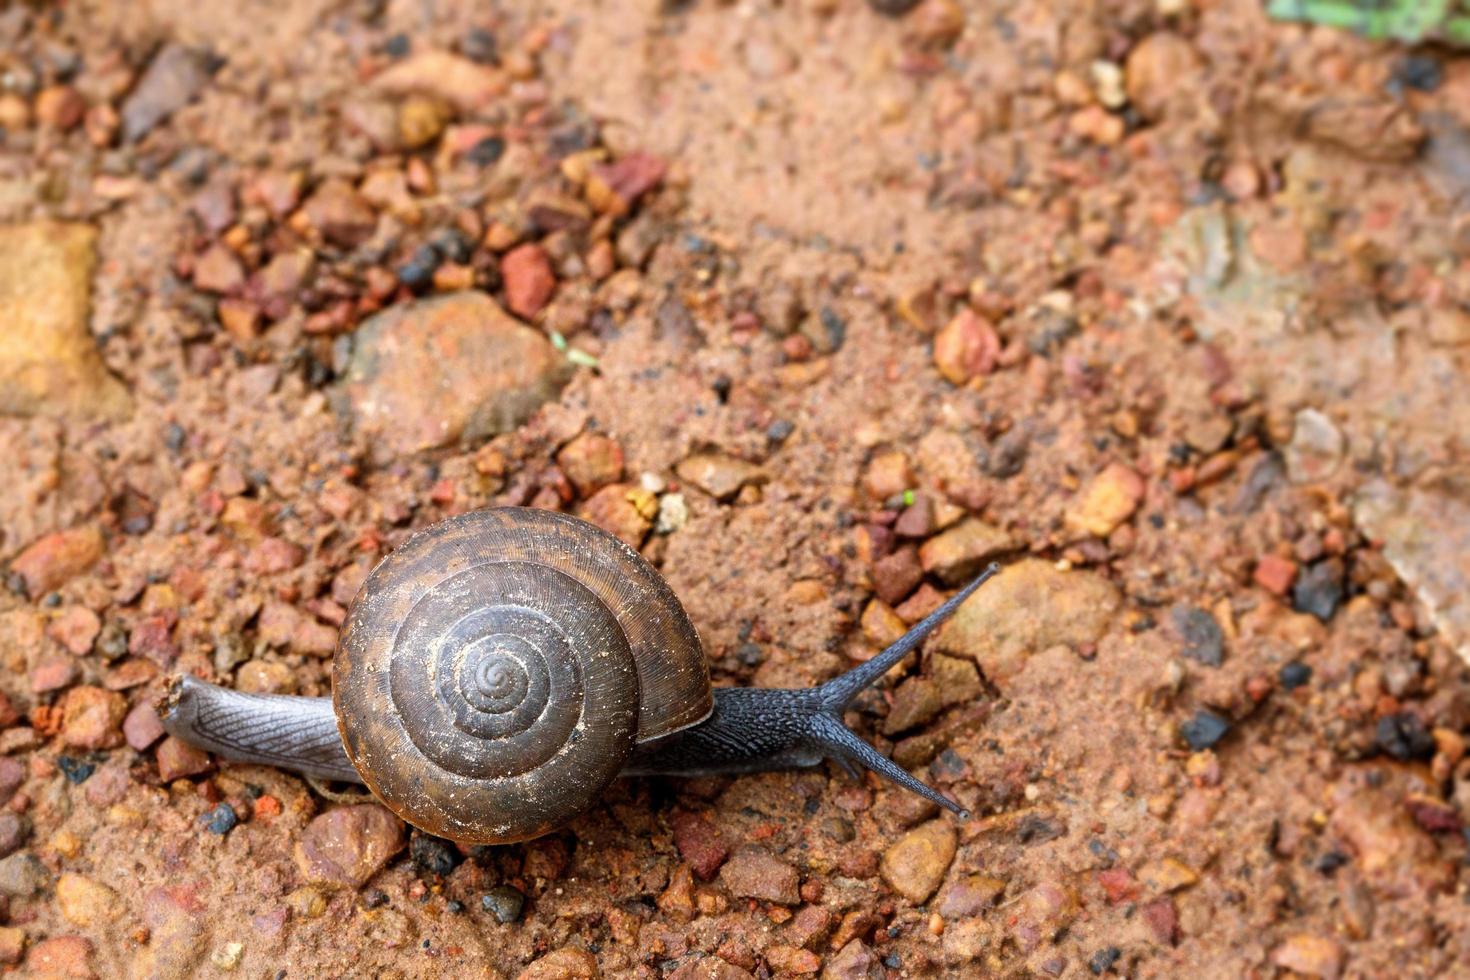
{"x": 1410, "y": 21}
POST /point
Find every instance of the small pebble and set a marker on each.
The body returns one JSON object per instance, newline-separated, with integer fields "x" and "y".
{"x": 1203, "y": 640}
{"x": 486, "y": 151}
{"x": 1318, "y": 589}
{"x": 1204, "y": 730}
{"x": 221, "y": 820}
{"x": 1404, "y": 737}
{"x": 1419, "y": 71}
{"x": 76, "y": 771}
{"x": 503, "y": 902}
{"x": 433, "y": 855}
{"x": 1102, "y": 961}
{"x": 1295, "y": 674}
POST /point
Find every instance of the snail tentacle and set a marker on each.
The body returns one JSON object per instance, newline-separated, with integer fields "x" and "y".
{"x": 759, "y": 729}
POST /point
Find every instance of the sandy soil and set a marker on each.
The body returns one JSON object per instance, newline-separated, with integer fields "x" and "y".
{"x": 820, "y": 304}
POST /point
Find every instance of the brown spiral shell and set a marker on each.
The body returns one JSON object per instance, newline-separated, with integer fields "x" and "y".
{"x": 496, "y": 670}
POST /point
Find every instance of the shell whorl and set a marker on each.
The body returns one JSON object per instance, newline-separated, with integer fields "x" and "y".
{"x": 495, "y": 671}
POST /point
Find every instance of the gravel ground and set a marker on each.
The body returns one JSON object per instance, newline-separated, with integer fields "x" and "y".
{"x": 821, "y": 305}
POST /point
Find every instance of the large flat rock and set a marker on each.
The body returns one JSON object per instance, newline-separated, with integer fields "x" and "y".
{"x": 49, "y": 363}
{"x": 434, "y": 371}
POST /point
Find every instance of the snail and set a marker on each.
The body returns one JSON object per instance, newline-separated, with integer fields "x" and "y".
{"x": 498, "y": 670}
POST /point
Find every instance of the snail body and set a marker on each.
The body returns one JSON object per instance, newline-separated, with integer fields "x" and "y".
{"x": 496, "y": 672}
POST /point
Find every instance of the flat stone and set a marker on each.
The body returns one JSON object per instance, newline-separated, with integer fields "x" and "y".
{"x": 1316, "y": 449}
{"x": 897, "y": 574}
{"x": 915, "y": 865}
{"x": 1425, "y": 530}
{"x": 970, "y": 895}
{"x": 1202, "y": 639}
{"x": 1110, "y": 498}
{"x": 177, "y": 759}
{"x": 957, "y": 679}
{"x": 1159, "y": 69}
{"x": 12, "y": 775}
{"x": 459, "y": 81}
{"x": 967, "y": 347}
{"x": 567, "y": 963}
{"x": 22, "y": 875}
{"x": 958, "y": 554}
{"x": 76, "y": 628}
{"x": 12, "y": 944}
{"x": 61, "y": 956}
{"x": 718, "y": 474}
{"x": 753, "y": 873}
{"x": 53, "y": 672}
{"x": 616, "y": 509}
{"x": 854, "y": 961}
{"x": 14, "y": 829}
{"x": 1310, "y": 955}
{"x": 699, "y": 842}
{"x": 529, "y": 281}
{"x": 430, "y": 372}
{"x": 916, "y": 701}
{"x": 49, "y": 362}
{"x": 347, "y": 845}
{"x": 91, "y": 718}
{"x": 591, "y": 461}
{"x": 171, "y": 81}
{"x": 85, "y": 903}
{"x": 881, "y": 625}
{"x": 50, "y": 562}
{"x": 1030, "y": 606}
{"x": 141, "y": 728}
{"x": 341, "y": 214}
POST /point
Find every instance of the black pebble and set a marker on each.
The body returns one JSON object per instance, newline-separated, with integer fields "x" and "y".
{"x": 835, "y": 326}
{"x": 1294, "y": 675}
{"x": 1102, "y": 961}
{"x": 893, "y": 8}
{"x": 1328, "y": 863}
{"x": 1203, "y": 641}
{"x": 374, "y": 897}
{"x": 780, "y": 430}
{"x": 1404, "y": 737}
{"x": 503, "y": 902}
{"x": 453, "y": 244}
{"x": 398, "y": 46}
{"x": 486, "y": 152}
{"x": 892, "y": 961}
{"x": 76, "y": 771}
{"x": 1419, "y": 71}
{"x": 453, "y": 907}
{"x": 433, "y": 855}
{"x": 221, "y": 820}
{"x": 418, "y": 272}
{"x": 479, "y": 46}
{"x": 1318, "y": 589}
{"x": 1204, "y": 730}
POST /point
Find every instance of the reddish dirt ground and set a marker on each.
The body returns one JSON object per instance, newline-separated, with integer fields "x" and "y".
{"x": 821, "y": 305}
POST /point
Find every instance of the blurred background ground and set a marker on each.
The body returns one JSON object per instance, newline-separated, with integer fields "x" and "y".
{"x": 821, "y": 304}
